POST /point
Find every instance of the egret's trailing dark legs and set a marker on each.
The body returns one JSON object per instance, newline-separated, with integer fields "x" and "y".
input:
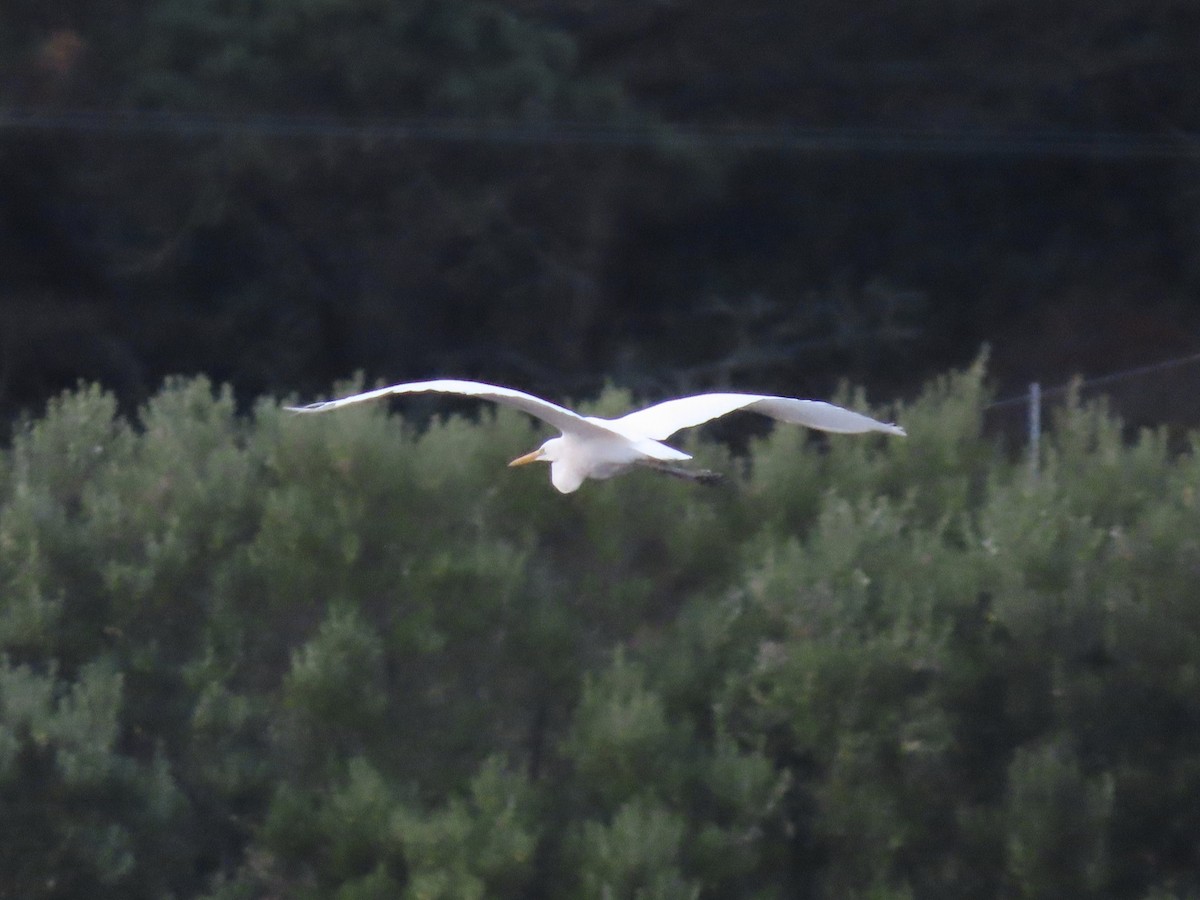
{"x": 699, "y": 476}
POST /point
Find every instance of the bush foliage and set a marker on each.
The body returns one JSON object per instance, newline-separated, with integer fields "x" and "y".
{"x": 350, "y": 656}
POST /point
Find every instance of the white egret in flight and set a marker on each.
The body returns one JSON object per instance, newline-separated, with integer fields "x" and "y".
{"x": 591, "y": 447}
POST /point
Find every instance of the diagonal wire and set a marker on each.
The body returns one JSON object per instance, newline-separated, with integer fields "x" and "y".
{"x": 1099, "y": 380}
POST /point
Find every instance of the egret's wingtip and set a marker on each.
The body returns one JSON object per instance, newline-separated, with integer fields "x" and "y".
{"x": 311, "y": 407}
{"x": 898, "y": 431}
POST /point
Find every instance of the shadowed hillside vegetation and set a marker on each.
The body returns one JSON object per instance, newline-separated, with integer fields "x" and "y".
{"x": 548, "y": 193}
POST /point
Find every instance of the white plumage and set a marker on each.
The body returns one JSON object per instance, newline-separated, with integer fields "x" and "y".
{"x": 592, "y": 447}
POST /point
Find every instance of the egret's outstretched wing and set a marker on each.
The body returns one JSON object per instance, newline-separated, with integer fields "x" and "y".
{"x": 560, "y": 417}
{"x": 664, "y": 419}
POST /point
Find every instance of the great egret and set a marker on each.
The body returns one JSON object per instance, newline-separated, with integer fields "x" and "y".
{"x": 591, "y": 447}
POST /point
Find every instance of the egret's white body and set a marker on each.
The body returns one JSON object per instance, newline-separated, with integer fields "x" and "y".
{"x": 592, "y": 447}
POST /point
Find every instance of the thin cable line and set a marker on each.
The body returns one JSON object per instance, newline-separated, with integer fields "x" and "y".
{"x": 1107, "y": 378}
{"x": 809, "y": 140}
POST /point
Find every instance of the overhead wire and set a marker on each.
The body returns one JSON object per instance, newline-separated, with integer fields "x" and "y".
{"x": 976, "y": 142}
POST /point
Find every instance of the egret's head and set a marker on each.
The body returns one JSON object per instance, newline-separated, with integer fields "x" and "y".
{"x": 548, "y": 452}
{"x": 565, "y": 472}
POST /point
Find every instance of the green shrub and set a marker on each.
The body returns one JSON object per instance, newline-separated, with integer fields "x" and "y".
{"x": 355, "y": 656}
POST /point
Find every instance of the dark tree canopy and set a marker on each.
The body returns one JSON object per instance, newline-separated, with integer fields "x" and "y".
{"x": 551, "y": 194}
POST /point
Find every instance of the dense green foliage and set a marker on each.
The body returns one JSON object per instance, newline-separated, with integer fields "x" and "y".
{"x": 346, "y": 656}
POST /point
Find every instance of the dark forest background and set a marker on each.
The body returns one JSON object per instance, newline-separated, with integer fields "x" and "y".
{"x": 552, "y": 194}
